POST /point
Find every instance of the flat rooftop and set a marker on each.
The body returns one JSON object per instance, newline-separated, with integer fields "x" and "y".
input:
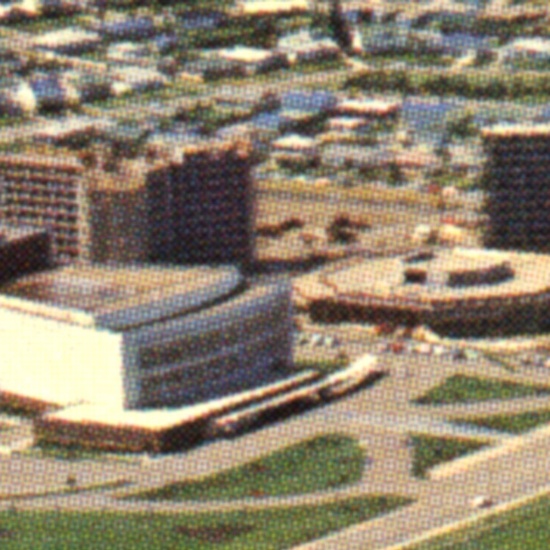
{"x": 11, "y": 233}
{"x": 516, "y": 130}
{"x": 384, "y": 278}
{"x": 117, "y": 297}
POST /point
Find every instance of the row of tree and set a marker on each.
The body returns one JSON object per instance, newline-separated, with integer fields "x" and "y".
{"x": 475, "y": 85}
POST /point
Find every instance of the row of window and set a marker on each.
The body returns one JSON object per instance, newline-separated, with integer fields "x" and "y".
{"x": 193, "y": 346}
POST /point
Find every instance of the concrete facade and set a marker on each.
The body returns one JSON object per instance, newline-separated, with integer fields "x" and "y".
{"x": 141, "y": 338}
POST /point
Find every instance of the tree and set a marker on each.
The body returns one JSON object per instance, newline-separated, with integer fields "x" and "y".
{"x": 462, "y": 127}
{"x": 339, "y": 26}
{"x": 395, "y": 174}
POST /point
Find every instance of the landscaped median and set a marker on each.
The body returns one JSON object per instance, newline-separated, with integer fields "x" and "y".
{"x": 323, "y": 463}
{"x": 430, "y": 451}
{"x": 272, "y": 529}
{"x": 511, "y": 423}
{"x": 470, "y": 389}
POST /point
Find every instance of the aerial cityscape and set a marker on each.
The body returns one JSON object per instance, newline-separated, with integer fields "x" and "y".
{"x": 275, "y": 274}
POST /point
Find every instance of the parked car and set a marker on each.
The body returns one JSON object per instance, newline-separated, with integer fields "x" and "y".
{"x": 481, "y": 501}
{"x": 317, "y": 340}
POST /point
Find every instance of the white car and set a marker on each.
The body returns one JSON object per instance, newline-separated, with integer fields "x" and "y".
{"x": 480, "y": 502}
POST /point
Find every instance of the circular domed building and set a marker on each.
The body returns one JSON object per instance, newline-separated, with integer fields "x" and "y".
{"x": 454, "y": 291}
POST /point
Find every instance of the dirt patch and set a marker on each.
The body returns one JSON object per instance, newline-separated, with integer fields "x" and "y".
{"x": 5, "y": 534}
{"x": 216, "y": 534}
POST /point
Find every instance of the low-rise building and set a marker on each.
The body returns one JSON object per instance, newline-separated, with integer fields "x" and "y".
{"x": 254, "y": 60}
{"x": 369, "y": 109}
{"x": 303, "y": 47}
{"x": 271, "y": 7}
{"x": 70, "y": 40}
{"x": 295, "y": 149}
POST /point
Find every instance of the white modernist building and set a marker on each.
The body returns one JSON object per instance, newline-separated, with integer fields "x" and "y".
{"x": 136, "y": 338}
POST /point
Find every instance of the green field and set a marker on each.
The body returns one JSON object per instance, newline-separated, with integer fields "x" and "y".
{"x": 266, "y": 529}
{"x": 469, "y": 389}
{"x": 525, "y": 528}
{"x": 512, "y": 423}
{"x": 430, "y": 451}
{"x": 318, "y": 464}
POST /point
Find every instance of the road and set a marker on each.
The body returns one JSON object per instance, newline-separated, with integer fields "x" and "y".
{"x": 380, "y": 417}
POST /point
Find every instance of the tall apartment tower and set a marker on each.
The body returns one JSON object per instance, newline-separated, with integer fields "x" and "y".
{"x": 90, "y": 214}
{"x": 192, "y": 205}
{"x": 201, "y": 206}
{"x": 517, "y": 182}
{"x": 44, "y": 192}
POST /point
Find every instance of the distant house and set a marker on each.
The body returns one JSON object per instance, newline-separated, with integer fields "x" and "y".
{"x": 528, "y": 48}
{"x": 294, "y": 149}
{"x": 460, "y": 43}
{"x": 314, "y": 102}
{"x": 206, "y": 70}
{"x": 130, "y": 28}
{"x": 11, "y": 60}
{"x": 73, "y": 129}
{"x": 381, "y": 40}
{"x": 254, "y": 60}
{"x": 349, "y": 156}
{"x": 90, "y": 87}
{"x": 203, "y": 20}
{"x": 17, "y": 11}
{"x": 136, "y": 79}
{"x": 268, "y": 122}
{"x": 128, "y": 52}
{"x": 368, "y": 109}
{"x": 348, "y": 125}
{"x": 271, "y": 7}
{"x": 62, "y": 7}
{"x": 53, "y": 92}
{"x": 303, "y": 47}
{"x": 165, "y": 43}
{"x": 71, "y": 40}
{"x": 357, "y": 12}
{"x": 302, "y": 112}
{"x": 17, "y": 98}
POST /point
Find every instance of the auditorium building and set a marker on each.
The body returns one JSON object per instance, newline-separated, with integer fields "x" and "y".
{"x": 122, "y": 338}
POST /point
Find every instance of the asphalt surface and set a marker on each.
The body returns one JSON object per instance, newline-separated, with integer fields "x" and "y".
{"x": 381, "y": 417}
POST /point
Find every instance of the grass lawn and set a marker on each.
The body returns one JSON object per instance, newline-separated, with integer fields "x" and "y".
{"x": 469, "y": 389}
{"x": 430, "y": 451}
{"x": 72, "y": 488}
{"x": 267, "y": 529}
{"x": 325, "y": 366}
{"x": 512, "y": 423}
{"x": 74, "y": 453}
{"x": 16, "y": 408}
{"x": 526, "y": 528}
{"x": 315, "y": 465}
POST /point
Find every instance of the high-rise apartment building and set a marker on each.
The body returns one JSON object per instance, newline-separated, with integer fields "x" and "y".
{"x": 517, "y": 182}
{"x": 191, "y": 205}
